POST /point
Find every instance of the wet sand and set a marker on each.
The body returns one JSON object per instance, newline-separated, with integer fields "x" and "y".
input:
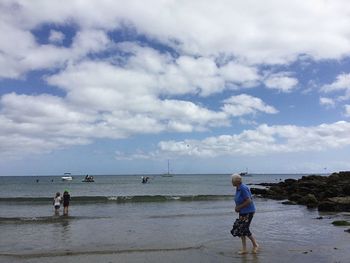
{"x": 187, "y": 254}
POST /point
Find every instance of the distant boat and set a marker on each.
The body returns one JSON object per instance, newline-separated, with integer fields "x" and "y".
{"x": 244, "y": 173}
{"x": 144, "y": 179}
{"x": 88, "y": 179}
{"x": 67, "y": 178}
{"x": 168, "y": 174}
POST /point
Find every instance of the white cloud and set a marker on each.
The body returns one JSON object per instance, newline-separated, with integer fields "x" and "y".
{"x": 253, "y": 33}
{"x": 347, "y": 110}
{"x": 341, "y": 84}
{"x": 240, "y": 74}
{"x": 56, "y": 36}
{"x": 247, "y": 122}
{"x": 104, "y": 87}
{"x": 328, "y": 102}
{"x": 281, "y": 81}
{"x": 159, "y": 73}
{"x": 136, "y": 88}
{"x": 188, "y": 74}
{"x": 263, "y": 140}
{"x": 108, "y": 101}
{"x": 29, "y": 55}
{"x": 245, "y": 104}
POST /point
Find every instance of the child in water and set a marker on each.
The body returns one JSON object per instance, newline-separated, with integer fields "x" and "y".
{"x": 57, "y": 202}
{"x": 66, "y": 199}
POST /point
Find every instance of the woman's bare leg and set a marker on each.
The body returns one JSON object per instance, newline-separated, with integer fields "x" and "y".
{"x": 255, "y": 244}
{"x": 244, "y": 246}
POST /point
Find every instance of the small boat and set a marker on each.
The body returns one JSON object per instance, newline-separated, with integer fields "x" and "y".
{"x": 144, "y": 179}
{"x": 244, "y": 173}
{"x": 168, "y": 174}
{"x": 67, "y": 178}
{"x": 88, "y": 179}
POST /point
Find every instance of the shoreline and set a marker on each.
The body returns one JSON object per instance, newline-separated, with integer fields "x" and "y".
{"x": 62, "y": 253}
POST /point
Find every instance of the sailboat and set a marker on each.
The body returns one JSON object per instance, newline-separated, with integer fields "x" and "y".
{"x": 168, "y": 174}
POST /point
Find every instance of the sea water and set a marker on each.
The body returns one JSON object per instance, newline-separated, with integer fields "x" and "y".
{"x": 185, "y": 217}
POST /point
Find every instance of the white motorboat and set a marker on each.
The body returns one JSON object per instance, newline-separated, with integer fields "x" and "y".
{"x": 67, "y": 177}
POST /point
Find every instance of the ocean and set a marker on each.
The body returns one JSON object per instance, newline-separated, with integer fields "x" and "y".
{"x": 183, "y": 218}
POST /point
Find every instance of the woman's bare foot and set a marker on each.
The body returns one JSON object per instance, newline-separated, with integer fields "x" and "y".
{"x": 242, "y": 252}
{"x": 256, "y": 249}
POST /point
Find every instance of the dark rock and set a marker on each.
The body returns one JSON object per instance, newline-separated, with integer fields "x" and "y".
{"x": 290, "y": 181}
{"x": 291, "y": 189}
{"x": 330, "y": 193}
{"x": 266, "y": 184}
{"x": 276, "y": 197}
{"x": 333, "y": 178}
{"x": 258, "y": 191}
{"x": 303, "y": 190}
{"x": 289, "y": 203}
{"x": 295, "y": 197}
{"x": 347, "y": 230}
{"x": 309, "y": 200}
{"x": 344, "y": 174}
{"x": 327, "y": 206}
{"x": 340, "y": 200}
{"x": 342, "y": 203}
{"x": 346, "y": 190}
{"x": 312, "y": 177}
{"x": 277, "y": 190}
{"x": 313, "y": 191}
{"x": 341, "y": 223}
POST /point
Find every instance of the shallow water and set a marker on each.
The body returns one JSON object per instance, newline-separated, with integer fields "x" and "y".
{"x": 194, "y": 228}
{"x": 178, "y": 231}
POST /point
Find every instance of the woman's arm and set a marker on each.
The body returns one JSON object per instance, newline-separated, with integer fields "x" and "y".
{"x": 244, "y": 204}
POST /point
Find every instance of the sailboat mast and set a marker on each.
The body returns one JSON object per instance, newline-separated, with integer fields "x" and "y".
{"x": 168, "y": 168}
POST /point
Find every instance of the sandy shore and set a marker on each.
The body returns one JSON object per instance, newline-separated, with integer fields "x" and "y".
{"x": 205, "y": 254}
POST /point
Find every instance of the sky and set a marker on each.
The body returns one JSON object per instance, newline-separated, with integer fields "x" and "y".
{"x": 120, "y": 87}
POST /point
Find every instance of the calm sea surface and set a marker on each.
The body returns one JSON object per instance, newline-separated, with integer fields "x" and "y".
{"x": 186, "y": 218}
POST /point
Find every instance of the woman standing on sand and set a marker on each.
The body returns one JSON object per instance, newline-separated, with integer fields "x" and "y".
{"x": 246, "y": 209}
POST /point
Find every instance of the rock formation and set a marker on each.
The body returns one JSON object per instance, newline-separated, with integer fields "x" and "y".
{"x": 327, "y": 193}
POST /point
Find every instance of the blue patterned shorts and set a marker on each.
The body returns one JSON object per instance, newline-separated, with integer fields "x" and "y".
{"x": 241, "y": 225}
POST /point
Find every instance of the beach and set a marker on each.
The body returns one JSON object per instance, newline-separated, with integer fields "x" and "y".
{"x": 188, "y": 221}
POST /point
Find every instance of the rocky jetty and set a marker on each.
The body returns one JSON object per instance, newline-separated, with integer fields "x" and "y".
{"x": 327, "y": 193}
